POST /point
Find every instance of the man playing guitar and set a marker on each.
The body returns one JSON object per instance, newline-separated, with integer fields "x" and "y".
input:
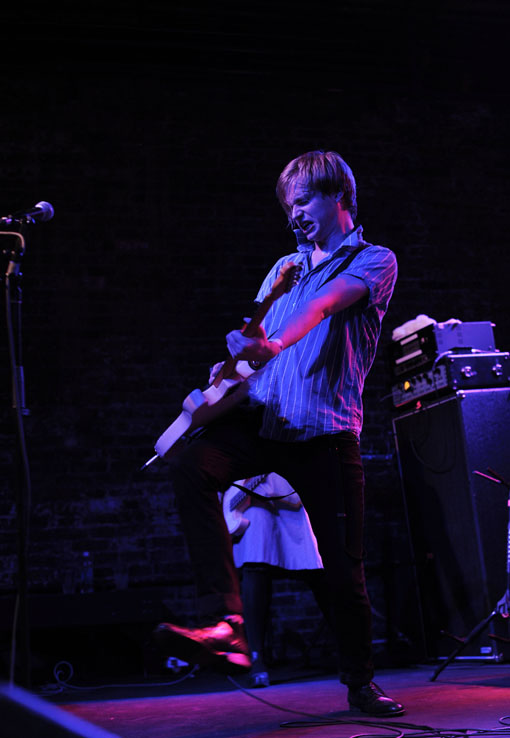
{"x": 301, "y": 417}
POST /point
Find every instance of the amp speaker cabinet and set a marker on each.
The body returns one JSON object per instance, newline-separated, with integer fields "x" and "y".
{"x": 457, "y": 520}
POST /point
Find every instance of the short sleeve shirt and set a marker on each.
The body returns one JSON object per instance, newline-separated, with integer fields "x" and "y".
{"x": 315, "y": 387}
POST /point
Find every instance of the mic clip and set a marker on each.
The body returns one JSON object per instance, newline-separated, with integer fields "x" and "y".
{"x": 15, "y": 253}
{"x": 24, "y": 219}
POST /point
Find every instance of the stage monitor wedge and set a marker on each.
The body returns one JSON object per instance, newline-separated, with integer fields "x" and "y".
{"x": 24, "y": 715}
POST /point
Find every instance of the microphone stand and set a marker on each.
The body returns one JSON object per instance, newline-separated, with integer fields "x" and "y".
{"x": 503, "y": 606}
{"x": 13, "y": 299}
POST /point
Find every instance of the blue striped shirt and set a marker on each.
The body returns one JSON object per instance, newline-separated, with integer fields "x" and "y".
{"x": 315, "y": 386}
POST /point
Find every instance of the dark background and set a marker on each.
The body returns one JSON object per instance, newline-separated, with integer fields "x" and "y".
{"x": 157, "y": 130}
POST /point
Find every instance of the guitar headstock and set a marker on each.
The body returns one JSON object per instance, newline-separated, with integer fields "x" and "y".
{"x": 288, "y": 278}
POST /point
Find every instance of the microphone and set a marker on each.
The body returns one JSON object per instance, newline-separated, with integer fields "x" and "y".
{"x": 42, "y": 211}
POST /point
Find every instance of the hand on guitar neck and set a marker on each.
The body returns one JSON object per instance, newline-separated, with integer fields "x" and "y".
{"x": 228, "y": 386}
{"x": 252, "y": 328}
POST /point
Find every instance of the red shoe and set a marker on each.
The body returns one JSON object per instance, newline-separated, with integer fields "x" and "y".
{"x": 222, "y": 646}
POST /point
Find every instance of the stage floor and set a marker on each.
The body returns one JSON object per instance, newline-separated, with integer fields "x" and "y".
{"x": 465, "y": 696}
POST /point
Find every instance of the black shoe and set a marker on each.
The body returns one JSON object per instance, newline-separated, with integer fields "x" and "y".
{"x": 371, "y": 699}
{"x": 222, "y": 646}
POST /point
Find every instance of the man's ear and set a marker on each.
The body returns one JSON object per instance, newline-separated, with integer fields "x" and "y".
{"x": 339, "y": 196}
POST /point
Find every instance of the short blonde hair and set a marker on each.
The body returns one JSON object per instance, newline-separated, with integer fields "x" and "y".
{"x": 321, "y": 171}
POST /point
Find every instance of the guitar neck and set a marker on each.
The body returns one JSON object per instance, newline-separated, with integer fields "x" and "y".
{"x": 284, "y": 282}
{"x": 249, "y": 330}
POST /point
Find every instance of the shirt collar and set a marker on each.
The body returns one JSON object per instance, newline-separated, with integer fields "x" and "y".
{"x": 352, "y": 239}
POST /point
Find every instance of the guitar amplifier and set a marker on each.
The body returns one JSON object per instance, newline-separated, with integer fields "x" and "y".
{"x": 457, "y": 520}
{"x": 475, "y": 370}
{"x": 420, "y": 349}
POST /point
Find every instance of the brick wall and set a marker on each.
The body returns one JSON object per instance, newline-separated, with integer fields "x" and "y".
{"x": 160, "y": 155}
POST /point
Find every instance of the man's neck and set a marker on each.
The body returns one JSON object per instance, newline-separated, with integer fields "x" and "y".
{"x": 326, "y": 248}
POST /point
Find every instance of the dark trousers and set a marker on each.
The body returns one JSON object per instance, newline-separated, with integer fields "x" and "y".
{"x": 327, "y": 473}
{"x": 257, "y": 591}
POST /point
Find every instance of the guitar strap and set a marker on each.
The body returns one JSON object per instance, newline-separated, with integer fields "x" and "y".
{"x": 252, "y": 493}
{"x": 345, "y": 263}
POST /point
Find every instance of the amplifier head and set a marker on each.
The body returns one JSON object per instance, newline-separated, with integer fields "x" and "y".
{"x": 419, "y": 350}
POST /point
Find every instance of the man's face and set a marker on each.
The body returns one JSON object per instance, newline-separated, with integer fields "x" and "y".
{"x": 314, "y": 213}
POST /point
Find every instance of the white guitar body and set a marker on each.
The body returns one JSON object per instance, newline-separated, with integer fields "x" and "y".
{"x": 200, "y": 408}
{"x": 234, "y": 503}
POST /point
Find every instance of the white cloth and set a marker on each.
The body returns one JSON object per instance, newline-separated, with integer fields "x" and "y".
{"x": 277, "y": 534}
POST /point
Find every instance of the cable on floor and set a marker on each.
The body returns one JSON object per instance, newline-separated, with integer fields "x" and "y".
{"x": 63, "y": 672}
{"x": 397, "y": 728}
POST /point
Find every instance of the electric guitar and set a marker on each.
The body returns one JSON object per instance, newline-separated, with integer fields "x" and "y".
{"x": 236, "y": 500}
{"x": 229, "y": 387}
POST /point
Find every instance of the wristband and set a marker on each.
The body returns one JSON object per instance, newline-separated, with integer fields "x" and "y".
{"x": 278, "y": 341}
